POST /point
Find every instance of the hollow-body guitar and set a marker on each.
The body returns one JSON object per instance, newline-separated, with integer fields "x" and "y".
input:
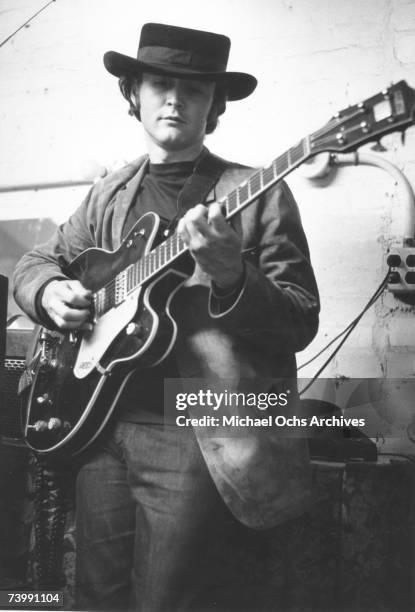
{"x": 73, "y": 380}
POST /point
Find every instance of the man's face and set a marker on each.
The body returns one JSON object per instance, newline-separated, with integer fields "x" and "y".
{"x": 174, "y": 111}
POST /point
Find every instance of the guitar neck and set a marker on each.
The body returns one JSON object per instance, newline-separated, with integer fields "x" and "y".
{"x": 248, "y": 191}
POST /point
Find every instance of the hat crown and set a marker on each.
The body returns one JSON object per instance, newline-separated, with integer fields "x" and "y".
{"x": 206, "y": 50}
{"x": 185, "y": 54}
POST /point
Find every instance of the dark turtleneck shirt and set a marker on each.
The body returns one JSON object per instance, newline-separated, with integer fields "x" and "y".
{"x": 142, "y": 400}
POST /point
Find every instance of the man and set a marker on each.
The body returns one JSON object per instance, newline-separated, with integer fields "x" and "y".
{"x": 160, "y": 511}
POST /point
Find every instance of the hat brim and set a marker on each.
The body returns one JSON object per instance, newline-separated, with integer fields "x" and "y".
{"x": 239, "y": 85}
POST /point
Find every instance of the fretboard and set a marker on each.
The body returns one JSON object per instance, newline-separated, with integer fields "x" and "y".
{"x": 163, "y": 255}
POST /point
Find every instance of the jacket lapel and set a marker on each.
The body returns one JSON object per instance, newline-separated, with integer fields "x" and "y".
{"x": 125, "y": 198}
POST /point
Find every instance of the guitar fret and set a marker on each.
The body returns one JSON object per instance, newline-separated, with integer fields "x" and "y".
{"x": 102, "y": 304}
{"x": 243, "y": 193}
{"x": 174, "y": 244}
{"x": 98, "y": 301}
{"x": 296, "y": 153}
{"x": 130, "y": 278}
{"x": 232, "y": 201}
{"x": 281, "y": 164}
{"x": 255, "y": 183}
{"x": 268, "y": 174}
{"x": 133, "y": 277}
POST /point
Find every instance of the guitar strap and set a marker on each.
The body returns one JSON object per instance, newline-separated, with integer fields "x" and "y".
{"x": 206, "y": 174}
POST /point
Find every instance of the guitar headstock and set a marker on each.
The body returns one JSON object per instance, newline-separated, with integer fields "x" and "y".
{"x": 392, "y": 110}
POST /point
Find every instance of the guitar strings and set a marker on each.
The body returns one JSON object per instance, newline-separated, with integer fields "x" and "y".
{"x": 336, "y": 123}
{"x": 107, "y": 293}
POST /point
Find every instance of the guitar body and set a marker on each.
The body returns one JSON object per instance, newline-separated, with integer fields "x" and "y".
{"x": 75, "y": 379}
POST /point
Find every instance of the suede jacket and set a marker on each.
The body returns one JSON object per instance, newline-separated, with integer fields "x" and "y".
{"x": 261, "y": 473}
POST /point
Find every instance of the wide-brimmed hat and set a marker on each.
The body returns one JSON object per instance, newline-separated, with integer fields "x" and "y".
{"x": 182, "y": 53}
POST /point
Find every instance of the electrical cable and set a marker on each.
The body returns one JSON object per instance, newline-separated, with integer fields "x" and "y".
{"x": 351, "y": 324}
{"x": 346, "y": 332}
{"x": 327, "y": 345}
{"x": 25, "y": 23}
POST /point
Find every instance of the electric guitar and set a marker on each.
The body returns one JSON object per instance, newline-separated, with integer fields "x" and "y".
{"x": 73, "y": 380}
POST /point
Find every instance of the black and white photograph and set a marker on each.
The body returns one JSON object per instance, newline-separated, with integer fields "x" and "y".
{"x": 207, "y": 302}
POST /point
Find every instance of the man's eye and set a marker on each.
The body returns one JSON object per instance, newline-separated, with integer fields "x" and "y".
{"x": 161, "y": 82}
{"x": 195, "y": 89}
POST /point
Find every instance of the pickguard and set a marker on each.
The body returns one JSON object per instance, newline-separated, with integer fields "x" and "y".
{"x": 94, "y": 343}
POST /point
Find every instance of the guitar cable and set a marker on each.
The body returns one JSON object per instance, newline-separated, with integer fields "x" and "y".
{"x": 346, "y": 333}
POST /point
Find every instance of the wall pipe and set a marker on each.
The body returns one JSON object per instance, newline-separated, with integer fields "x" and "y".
{"x": 44, "y": 185}
{"x": 321, "y": 165}
{"x": 318, "y": 167}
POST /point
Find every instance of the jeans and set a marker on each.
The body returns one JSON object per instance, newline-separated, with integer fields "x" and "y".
{"x": 153, "y": 534}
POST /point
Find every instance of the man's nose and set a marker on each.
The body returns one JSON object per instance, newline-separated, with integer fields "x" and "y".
{"x": 175, "y": 95}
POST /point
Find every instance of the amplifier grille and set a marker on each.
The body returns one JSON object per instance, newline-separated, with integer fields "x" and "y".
{"x": 14, "y": 365}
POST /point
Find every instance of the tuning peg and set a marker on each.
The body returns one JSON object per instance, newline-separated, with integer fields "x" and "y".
{"x": 378, "y": 146}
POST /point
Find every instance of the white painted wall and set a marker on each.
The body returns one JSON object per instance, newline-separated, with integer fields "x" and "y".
{"x": 61, "y": 112}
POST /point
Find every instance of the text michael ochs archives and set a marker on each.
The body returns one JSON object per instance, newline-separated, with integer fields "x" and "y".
{"x": 208, "y": 408}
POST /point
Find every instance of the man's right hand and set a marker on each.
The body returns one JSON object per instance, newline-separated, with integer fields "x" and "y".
{"x": 68, "y": 304}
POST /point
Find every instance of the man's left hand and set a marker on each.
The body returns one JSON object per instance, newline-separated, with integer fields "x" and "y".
{"x": 214, "y": 245}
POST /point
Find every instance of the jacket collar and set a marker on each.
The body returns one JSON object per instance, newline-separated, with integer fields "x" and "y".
{"x": 126, "y": 195}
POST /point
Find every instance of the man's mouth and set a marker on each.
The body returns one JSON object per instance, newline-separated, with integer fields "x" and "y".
{"x": 174, "y": 119}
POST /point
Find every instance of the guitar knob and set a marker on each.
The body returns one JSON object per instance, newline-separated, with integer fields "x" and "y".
{"x": 43, "y": 399}
{"x": 134, "y": 329}
{"x": 54, "y": 423}
{"x": 39, "y": 426}
{"x": 46, "y": 365}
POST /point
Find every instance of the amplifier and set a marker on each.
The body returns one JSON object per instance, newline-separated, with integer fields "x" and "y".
{"x": 17, "y": 341}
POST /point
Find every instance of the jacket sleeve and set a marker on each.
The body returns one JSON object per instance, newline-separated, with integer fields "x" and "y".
{"x": 45, "y": 262}
{"x": 278, "y": 305}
